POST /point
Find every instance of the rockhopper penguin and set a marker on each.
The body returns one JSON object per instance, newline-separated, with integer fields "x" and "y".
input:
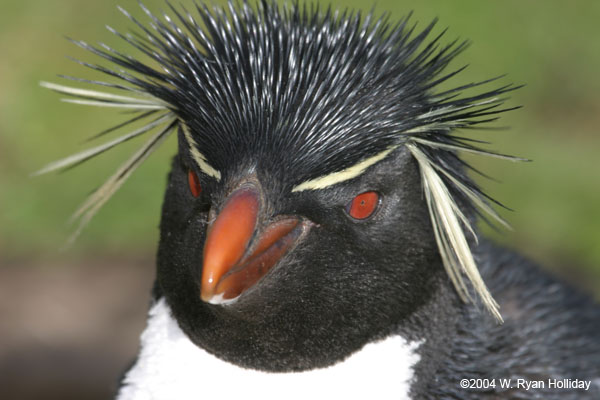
{"x": 318, "y": 230}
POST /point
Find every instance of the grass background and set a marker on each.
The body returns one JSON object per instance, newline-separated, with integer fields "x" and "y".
{"x": 551, "y": 47}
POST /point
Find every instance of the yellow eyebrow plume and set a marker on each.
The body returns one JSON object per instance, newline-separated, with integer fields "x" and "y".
{"x": 343, "y": 175}
{"x": 199, "y": 157}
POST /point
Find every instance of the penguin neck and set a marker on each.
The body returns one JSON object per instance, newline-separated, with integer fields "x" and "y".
{"x": 412, "y": 349}
{"x": 170, "y": 365}
{"x": 435, "y": 325}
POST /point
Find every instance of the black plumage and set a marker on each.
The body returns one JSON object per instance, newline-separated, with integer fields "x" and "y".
{"x": 258, "y": 82}
{"x": 273, "y": 98}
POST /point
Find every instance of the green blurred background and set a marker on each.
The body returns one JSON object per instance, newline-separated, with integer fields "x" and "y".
{"x": 553, "y": 47}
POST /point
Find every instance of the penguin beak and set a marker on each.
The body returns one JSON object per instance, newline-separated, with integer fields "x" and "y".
{"x": 237, "y": 252}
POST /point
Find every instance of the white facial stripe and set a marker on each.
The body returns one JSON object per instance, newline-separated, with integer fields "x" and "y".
{"x": 199, "y": 157}
{"x": 343, "y": 175}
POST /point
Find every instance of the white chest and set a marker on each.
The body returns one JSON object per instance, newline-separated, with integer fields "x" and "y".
{"x": 170, "y": 367}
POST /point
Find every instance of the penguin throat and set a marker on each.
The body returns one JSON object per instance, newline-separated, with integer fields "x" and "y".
{"x": 171, "y": 366}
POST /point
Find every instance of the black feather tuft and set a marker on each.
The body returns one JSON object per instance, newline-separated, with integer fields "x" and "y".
{"x": 304, "y": 92}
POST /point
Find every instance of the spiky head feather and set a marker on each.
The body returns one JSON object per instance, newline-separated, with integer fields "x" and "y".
{"x": 302, "y": 93}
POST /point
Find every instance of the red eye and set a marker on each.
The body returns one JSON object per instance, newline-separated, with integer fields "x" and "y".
{"x": 363, "y": 205}
{"x": 194, "y": 183}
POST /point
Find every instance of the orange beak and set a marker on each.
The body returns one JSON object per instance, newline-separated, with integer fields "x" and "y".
{"x": 237, "y": 254}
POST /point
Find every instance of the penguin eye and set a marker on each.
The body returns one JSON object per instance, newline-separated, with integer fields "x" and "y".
{"x": 363, "y": 205}
{"x": 194, "y": 183}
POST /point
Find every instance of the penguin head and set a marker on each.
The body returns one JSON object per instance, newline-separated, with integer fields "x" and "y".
{"x": 317, "y": 195}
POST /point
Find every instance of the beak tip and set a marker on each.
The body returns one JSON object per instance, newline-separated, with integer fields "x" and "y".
{"x": 216, "y": 299}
